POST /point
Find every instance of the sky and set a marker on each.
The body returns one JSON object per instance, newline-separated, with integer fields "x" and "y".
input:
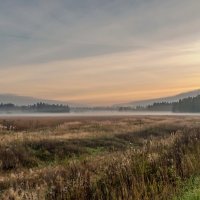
{"x": 99, "y": 52}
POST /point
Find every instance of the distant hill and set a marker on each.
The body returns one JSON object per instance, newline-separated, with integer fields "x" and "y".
{"x": 25, "y": 100}
{"x": 164, "y": 99}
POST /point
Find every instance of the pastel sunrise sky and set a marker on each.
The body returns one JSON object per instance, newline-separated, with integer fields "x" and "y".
{"x": 99, "y": 52}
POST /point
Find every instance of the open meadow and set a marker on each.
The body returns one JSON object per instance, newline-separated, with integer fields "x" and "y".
{"x": 100, "y": 158}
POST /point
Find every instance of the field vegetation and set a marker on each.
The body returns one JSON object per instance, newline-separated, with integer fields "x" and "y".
{"x": 100, "y": 158}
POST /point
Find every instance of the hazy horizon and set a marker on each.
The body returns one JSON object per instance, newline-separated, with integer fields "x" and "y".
{"x": 99, "y": 52}
{"x": 32, "y": 100}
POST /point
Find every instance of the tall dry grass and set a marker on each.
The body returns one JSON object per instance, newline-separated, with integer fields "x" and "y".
{"x": 147, "y": 163}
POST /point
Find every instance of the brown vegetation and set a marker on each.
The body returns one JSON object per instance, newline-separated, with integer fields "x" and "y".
{"x": 98, "y": 158}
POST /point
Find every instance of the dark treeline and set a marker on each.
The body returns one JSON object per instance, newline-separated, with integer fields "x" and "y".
{"x": 187, "y": 105}
{"x": 163, "y": 106}
{"x": 191, "y": 104}
{"x": 38, "y": 107}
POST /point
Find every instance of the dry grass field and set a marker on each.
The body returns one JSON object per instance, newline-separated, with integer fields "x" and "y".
{"x": 100, "y": 158}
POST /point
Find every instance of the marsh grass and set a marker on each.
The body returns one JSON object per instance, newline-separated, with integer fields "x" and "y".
{"x": 120, "y": 158}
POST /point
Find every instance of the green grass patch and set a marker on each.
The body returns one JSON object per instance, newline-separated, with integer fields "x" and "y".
{"x": 191, "y": 190}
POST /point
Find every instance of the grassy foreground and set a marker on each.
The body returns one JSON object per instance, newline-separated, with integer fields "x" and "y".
{"x": 100, "y": 158}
